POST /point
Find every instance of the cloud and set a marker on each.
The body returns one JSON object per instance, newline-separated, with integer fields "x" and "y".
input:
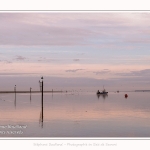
{"x": 76, "y": 60}
{"x": 39, "y": 33}
{"x": 72, "y": 28}
{"x": 8, "y": 62}
{"x": 14, "y": 74}
{"x": 140, "y": 73}
{"x": 74, "y": 70}
{"x": 139, "y": 40}
{"x": 5, "y": 61}
{"x": 20, "y": 58}
{"x": 104, "y": 71}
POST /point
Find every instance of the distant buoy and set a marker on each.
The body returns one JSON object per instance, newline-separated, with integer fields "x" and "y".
{"x": 126, "y": 95}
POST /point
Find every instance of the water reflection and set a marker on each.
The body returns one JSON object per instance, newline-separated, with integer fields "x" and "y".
{"x": 41, "y": 118}
{"x": 30, "y": 97}
{"x": 15, "y": 101}
{"x": 41, "y": 114}
{"x": 80, "y": 115}
{"x": 102, "y": 95}
{"x": 52, "y": 94}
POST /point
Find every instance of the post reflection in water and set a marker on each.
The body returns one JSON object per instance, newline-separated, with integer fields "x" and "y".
{"x": 41, "y": 115}
{"x": 15, "y": 100}
{"x": 30, "y": 98}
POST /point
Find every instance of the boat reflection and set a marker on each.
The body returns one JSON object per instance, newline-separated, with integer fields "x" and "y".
{"x": 102, "y": 95}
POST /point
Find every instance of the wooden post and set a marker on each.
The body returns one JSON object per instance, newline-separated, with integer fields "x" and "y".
{"x": 30, "y": 94}
{"x": 41, "y": 89}
{"x": 15, "y": 95}
{"x": 42, "y": 100}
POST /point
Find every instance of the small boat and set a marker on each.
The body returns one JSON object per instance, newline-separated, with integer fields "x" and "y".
{"x": 103, "y": 92}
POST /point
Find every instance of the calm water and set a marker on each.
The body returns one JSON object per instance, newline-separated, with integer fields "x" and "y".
{"x": 75, "y": 115}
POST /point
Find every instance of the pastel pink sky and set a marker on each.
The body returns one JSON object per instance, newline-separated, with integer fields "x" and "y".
{"x": 72, "y": 28}
{"x": 99, "y": 46}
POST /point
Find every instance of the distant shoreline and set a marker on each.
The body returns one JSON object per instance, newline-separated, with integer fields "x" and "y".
{"x": 142, "y": 90}
{"x": 62, "y": 91}
{"x": 31, "y": 91}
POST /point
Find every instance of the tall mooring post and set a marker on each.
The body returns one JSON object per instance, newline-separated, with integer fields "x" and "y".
{"x": 30, "y": 94}
{"x": 15, "y": 89}
{"x": 15, "y": 95}
{"x": 41, "y": 89}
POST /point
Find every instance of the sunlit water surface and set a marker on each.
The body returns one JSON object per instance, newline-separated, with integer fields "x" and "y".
{"x": 76, "y": 114}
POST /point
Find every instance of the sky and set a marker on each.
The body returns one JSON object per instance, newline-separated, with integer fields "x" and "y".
{"x": 75, "y": 50}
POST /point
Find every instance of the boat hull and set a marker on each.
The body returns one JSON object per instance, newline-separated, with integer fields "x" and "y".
{"x": 98, "y": 93}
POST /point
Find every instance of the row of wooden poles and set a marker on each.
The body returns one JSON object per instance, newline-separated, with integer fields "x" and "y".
{"x": 41, "y": 89}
